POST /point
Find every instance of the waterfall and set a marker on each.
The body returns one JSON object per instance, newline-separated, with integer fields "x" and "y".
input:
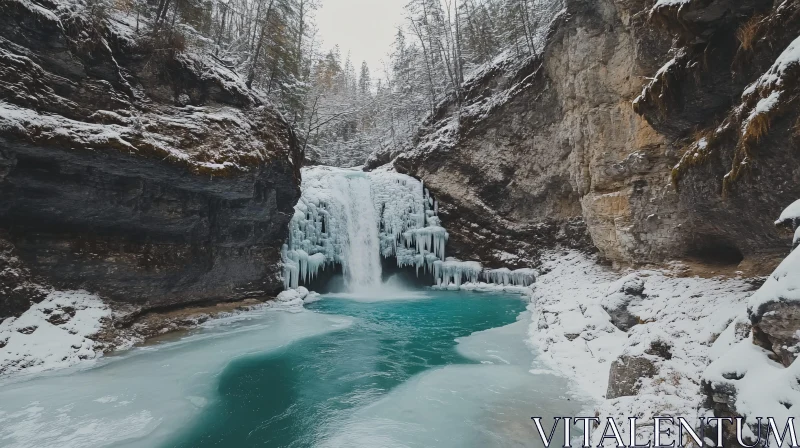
{"x": 361, "y": 251}
{"x": 352, "y": 218}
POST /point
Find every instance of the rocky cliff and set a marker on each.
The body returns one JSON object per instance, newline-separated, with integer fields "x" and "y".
{"x": 662, "y": 130}
{"x": 596, "y": 130}
{"x": 133, "y": 168}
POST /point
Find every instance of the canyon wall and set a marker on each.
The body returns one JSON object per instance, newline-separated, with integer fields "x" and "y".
{"x": 134, "y": 168}
{"x": 660, "y": 130}
{"x": 576, "y": 139}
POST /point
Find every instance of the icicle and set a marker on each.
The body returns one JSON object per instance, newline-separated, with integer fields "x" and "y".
{"x": 506, "y": 277}
{"x": 333, "y": 224}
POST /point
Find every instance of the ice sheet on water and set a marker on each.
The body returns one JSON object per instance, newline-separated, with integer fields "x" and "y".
{"x": 492, "y": 408}
{"x": 503, "y": 345}
{"x": 380, "y": 295}
{"x": 138, "y": 398}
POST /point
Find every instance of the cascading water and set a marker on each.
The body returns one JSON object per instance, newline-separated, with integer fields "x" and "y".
{"x": 361, "y": 249}
{"x": 353, "y": 218}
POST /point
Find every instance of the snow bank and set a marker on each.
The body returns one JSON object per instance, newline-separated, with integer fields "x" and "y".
{"x": 753, "y": 382}
{"x": 782, "y": 285}
{"x": 790, "y": 214}
{"x": 487, "y": 287}
{"x": 680, "y": 317}
{"x": 567, "y": 301}
{"x": 52, "y": 334}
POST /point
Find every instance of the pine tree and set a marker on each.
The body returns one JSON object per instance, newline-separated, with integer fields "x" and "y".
{"x": 364, "y": 81}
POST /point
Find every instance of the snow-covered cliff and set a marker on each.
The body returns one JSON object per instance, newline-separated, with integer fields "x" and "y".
{"x": 148, "y": 174}
{"x": 609, "y": 133}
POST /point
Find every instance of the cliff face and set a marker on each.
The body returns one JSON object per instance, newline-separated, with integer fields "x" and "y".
{"x": 730, "y": 105}
{"x": 568, "y": 138}
{"x": 665, "y": 129}
{"x": 154, "y": 178}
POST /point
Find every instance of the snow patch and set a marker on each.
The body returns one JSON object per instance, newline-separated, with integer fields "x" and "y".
{"x": 791, "y": 213}
{"x": 774, "y": 77}
{"x": 52, "y": 334}
{"x": 764, "y": 106}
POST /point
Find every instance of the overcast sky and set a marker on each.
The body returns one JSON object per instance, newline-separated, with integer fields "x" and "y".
{"x": 366, "y": 28}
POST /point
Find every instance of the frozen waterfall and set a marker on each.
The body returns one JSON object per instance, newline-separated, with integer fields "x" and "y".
{"x": 353, "y": 218}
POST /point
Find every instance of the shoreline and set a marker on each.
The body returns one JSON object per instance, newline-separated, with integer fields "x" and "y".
{"x": 636, "y": 341}
{"x": 128, "y": 329}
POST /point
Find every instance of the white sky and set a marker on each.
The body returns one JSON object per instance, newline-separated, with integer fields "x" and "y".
{"x": 366, "y": 28}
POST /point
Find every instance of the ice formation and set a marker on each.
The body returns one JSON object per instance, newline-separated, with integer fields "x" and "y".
{"x": 457, "y": 273}
{"x": 452, "y": 272}
{"x": 506, "y": 277}
{"x": 334, "y": 224}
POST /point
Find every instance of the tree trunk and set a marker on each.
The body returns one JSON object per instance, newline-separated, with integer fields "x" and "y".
{"x": 264, "y": 26}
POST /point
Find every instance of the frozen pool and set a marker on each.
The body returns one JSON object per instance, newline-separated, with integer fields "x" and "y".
{"x": 445, "y": 369}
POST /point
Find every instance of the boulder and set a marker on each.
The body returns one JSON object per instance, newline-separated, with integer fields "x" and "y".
{"x": 626, "y": 373}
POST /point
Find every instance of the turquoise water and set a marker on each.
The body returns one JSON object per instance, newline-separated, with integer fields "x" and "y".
{"x": 443, "y": 369}
{"x": 292, "y": 397}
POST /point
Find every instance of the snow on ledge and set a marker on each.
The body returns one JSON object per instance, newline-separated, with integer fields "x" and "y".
{"x": 55, "y": 333}
{"x": 774, "y": 77}
{"x": 783, "y": 285}
{"x": 791, "y": 213}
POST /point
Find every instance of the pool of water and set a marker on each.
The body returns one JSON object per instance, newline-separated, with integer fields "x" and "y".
{"x": 432, "y": 369}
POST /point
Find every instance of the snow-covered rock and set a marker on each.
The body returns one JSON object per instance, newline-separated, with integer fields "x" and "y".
{"x": 791, "y": 218}
{"x": 791, "y": 215}
{"x": 755, "y": 374}
{"x": 624, "y": 292}
{"x": 655, "y": 367}
{"x": 55, "y": 333}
